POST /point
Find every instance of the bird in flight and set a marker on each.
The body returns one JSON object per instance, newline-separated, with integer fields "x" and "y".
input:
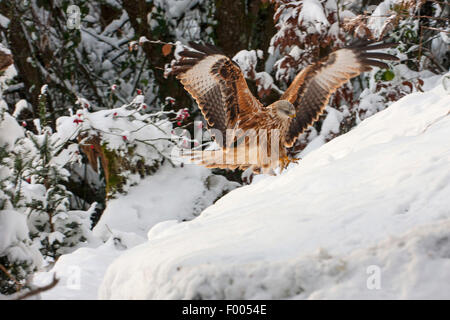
{"x": 251, "y": 135}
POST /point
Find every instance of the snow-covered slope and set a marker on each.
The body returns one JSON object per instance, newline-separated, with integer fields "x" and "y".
{"x": 366, "y": 215}
{"x": 170, "y": 195}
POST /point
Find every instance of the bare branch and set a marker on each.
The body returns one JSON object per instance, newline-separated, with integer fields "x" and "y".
{"x": 39, "y": 290}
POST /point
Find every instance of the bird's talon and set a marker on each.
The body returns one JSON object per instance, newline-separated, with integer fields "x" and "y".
{"x": 285, "y": 161}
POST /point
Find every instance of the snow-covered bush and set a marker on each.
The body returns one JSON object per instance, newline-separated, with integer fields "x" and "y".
{"x": 420, "y": 27}
{"x": 36, "y": 187}
{"x": 306, "y": 30}
{"x": 183, "y": 19}
{"x": 94, "y": 61}
{"x": 125, "y": 143}
{"x": 18, "y": 257}
{"x": 53, "y": 225}
{"x": 36, "y": 217}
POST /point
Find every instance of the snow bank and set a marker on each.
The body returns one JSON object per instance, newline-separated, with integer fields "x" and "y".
{"x": 80, "y": 272}
{"x": 169, "y": 194}
{"x": 15, "y": 132}
{"x": 13, "y": 234}
{"x": 368, "y": 210}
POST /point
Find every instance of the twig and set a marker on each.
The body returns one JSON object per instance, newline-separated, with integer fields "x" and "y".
{"x": 406, "y": 15}
{"x": 101, "y": 38}
{"x": 36, "y": 291}
{"x": 436, "y": 120}
{"x": 19, "y": 286}
{"x": 435, "y": 29}
{"x": 159, "y": 152}
{"x": 139, "y": 74}
{"x": 440, "y": 2}
{"x": 420, "y": 46}
{"x": 158, "y": 42}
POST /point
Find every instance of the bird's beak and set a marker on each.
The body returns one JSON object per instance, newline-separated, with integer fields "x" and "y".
{"x": 293, "y": 116}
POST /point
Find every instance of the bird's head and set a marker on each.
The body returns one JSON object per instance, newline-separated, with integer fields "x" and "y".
{"x": 284, "y": 109}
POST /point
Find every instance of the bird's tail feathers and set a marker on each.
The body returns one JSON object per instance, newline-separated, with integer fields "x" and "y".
{"x": 210, "y": 158}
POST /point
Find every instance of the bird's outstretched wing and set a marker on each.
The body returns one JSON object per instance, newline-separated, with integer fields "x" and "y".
{"x": 312, "y": 87}
{"x": 219, "y": 87}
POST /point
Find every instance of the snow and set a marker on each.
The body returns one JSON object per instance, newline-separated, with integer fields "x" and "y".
{"x": 13, "y": 231}
{"x": 21, "y": 105}
{"x": 176, "y": 8}
{"x": 295, "y": 52}
{"x": 371, "y": 203}
{"x": 312, "y": 12}
{"x": 79, "y": 273}
{"x": 380, "y": 17}
{"x": 247, "y": 61}
{"x": 2, "y": 47}
{"x": 332, "y": 121}
{"x": 171, "y": 193}
{"x": 121, "y": 128}
{"x": 4, "y": 21}
{"x": 15, "y": 132}
{"x": 167, "y": 197}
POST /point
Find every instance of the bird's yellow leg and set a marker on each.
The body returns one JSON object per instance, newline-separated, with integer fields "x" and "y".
{"x": 285, "y": 161}
{"x": 293, "y": 160}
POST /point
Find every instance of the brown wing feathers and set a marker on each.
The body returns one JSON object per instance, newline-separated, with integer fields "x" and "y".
{"x": 312, "y": 88}
{"x": 191, "y": 58}
{"x": 366, "y": 58}
{"x": 216, "y": 83}
{"x": 194, "y": 71}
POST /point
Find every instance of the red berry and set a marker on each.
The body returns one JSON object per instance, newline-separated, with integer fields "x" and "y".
{"x": 124, "y": 138}
{"x": 139, "y": 91}
{"x": 91, "y": 146}
{"x": 77, "y": 121}
{"x": 28, "y": 180}
{"x": 144, "y": 106}
{"x": 115, "y": 114}
{"x": 24, "y": 124}
{"x": 179, "y": 123}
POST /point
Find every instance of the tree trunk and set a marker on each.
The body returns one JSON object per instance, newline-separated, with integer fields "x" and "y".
{"x": 243, "y": 24}
{"x": 20, "y": 49}
{"x": 137, "y": 12}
